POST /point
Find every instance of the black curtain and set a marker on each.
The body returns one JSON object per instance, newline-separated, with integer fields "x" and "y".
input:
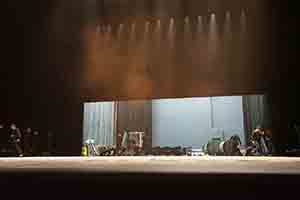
{"x": 255, "y": 113}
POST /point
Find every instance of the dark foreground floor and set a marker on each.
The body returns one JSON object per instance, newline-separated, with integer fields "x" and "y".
{"x": 141, "y": 177}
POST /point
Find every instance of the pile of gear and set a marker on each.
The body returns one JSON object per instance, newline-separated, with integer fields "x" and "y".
{"x": 260, "y": 143}
{"x": 132, "y": 144}
{"x": 218, "y": 147}
{"x": 168, "y": 151}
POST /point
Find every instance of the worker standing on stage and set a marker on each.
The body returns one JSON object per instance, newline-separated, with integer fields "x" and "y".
{"x": 15, "y": 138}
{"x": 27, "y": 138}
{"x": 35, "y": 143}
{"x": 3, "y": 138}
{"x": 3, "y": 135}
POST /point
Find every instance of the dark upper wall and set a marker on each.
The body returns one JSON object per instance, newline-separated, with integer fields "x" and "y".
{"x": 50, "y": 45}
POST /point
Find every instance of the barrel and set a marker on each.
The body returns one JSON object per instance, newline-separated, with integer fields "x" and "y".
{"x": 213, "y": 146}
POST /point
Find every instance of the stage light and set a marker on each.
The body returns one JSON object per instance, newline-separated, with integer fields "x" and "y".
{"x": 200, "y": 24}
{"x": 243, "y": 21}
{"x": 186, "y": 19}
{"x": 172, "y": 21}
{"x": 120, "y": 31}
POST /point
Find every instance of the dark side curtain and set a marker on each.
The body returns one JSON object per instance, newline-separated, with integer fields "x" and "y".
{"x": 255, "y": 113}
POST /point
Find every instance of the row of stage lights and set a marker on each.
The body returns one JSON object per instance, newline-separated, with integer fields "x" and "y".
{"x": 200, "y": 19}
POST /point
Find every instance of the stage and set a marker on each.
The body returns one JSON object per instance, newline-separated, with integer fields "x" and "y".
{"x": 150, "y": 164}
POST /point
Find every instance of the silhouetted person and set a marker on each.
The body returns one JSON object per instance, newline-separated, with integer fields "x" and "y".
{"x": 15, "y": 137}
{"x": 3, "y": 135}
{"x": 50, "y": 142}
{"x": 35, "y": 143}
{"x": 27, "y": 141}
{"x": 3, "y": 139}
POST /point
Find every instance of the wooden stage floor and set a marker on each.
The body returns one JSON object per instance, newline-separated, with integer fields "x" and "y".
{"x": 149, "y": 164}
